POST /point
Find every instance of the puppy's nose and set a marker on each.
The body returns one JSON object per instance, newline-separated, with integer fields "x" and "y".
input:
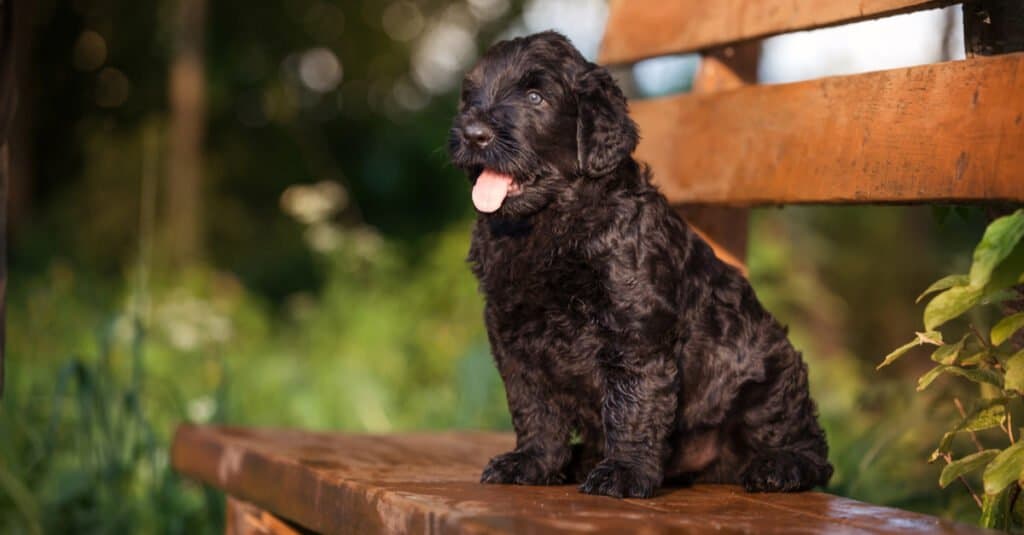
{"x": 478, "y": 133}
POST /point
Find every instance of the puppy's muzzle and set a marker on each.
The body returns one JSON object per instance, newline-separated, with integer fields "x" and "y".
{"x": 478, "y": 134}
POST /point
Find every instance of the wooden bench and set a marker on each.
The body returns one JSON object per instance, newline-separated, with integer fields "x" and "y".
{"x": 950, "y": 132}
{"x": 286, "y": 481}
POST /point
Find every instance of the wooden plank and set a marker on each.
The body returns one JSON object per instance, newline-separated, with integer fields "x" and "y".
{"x": 639, "y": 29}
{"x": 725, "y": 228}
{"x": 419, "y": 483}
{"x": 244, "y": 518}
{"x": 949, "y": 132}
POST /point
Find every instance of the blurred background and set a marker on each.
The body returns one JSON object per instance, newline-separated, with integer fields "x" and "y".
{"x": 242, "y": 212}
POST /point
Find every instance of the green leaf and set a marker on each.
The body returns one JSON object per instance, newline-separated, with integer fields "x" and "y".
{"x": 998, "y": 264}
{"x": 1015, "y": 372}
{"x": 989, "y": 414}
{"x": 975, "y": 359}
{"x": 925, "y": 380}
{"x": 891, "y": 357}
{"x": 950, "y": 304}
{"x": 995, "y": 510}
{"x": 978, "y": 375}
{"x": 1004, "y": 469}
{"x": 974, "y": 374}
{"x": 931, "y": 337}
{"x": 999, "y": 240}
{"x": 944, "y": 283}
{"x": 1006, "y": 327}
{"x": 1009, "y": 273}
{"x": 947, "y": 354}
{"x": 965, "y": 465}
{"x": 995, "y": 296}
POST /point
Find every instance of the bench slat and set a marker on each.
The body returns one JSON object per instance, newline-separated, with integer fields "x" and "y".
{"x": 420, "y": 483}
{"x": 639, "y": 29}
{"x": 949, "y": 132}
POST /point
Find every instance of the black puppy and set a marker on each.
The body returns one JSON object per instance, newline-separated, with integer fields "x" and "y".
{"x": 611, "y": 322}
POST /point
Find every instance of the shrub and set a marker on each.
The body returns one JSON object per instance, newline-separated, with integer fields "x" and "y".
{"x": 991, "y": 357}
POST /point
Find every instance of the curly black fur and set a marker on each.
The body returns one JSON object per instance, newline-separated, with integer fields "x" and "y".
{"x": 609, "y": 319}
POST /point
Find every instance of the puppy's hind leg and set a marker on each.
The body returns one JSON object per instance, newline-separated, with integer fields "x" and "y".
{"x": 789, "y": 469}
{"x": 785, "y": 447}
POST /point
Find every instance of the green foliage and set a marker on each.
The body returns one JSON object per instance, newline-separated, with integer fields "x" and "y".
{"x": 1004, "y": 469}
{"x": 391, "y": 343}
{"x": 987, "y": 415}
{"x": 81, "y": 454}
{"x": 966, "y": 465}
{"x": 944, "y": 283}
{"x": 1006, "y": 328}
{"x": 931, "y": 337}
{"x": 994, "y": 362}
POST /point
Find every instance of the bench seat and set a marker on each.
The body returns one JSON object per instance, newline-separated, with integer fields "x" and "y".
{"x": 287, "y": 481}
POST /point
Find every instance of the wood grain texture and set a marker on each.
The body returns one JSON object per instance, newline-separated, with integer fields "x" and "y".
{"x": 639, "y": 29}
{"x": 724, "y": 228}
{"x": 427, "y": 483}
{"x": 949, "y": 132}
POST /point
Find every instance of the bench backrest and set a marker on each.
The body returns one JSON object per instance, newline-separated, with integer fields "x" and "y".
{"x": 949, "y": 132}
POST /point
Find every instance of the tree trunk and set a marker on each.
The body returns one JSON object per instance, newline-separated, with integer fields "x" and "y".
{"x": 19, "y": 132}
{"x": 187, "y": 88}
{"x": 7, "y": 103}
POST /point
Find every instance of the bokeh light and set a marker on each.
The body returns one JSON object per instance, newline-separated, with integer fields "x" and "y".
{"x": 112, "y": 88}
{"x": 90, "y": 51}
{"x": 320, "y": 70}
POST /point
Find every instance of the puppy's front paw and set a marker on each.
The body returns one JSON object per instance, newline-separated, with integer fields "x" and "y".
{"x": 620, "y": 480}
{"x": 521, "y": 468}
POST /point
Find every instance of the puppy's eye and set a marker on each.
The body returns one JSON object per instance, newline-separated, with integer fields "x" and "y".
{"x": 533, "y": 97}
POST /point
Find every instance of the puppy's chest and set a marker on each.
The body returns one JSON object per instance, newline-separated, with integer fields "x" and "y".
{"x": 556, "y": 285}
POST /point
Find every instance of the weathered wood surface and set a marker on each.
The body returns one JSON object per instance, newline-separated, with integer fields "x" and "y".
{"x": 639, "y": 29}
{"x": 427, "y": 483}
{"x": 948, "y": 132}
{"x": 725, "y": 228}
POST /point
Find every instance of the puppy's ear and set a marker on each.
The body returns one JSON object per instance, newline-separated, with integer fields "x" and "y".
{"x": 605, "y": 135}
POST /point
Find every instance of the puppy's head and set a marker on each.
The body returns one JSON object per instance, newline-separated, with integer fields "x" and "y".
{"x": 535, "y": 119}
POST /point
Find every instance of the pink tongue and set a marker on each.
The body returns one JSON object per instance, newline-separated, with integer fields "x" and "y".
{"x": 490, "y": 190}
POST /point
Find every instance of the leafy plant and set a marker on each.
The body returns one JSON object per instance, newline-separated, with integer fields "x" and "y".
{"x": 990, "y": 357}
{"x": 83, "y": 455}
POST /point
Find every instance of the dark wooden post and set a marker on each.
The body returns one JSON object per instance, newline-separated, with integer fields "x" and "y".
{"x": 7, "y": 101}
{"x": 725, "y": 228}
{"x": 993, "y": 27}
